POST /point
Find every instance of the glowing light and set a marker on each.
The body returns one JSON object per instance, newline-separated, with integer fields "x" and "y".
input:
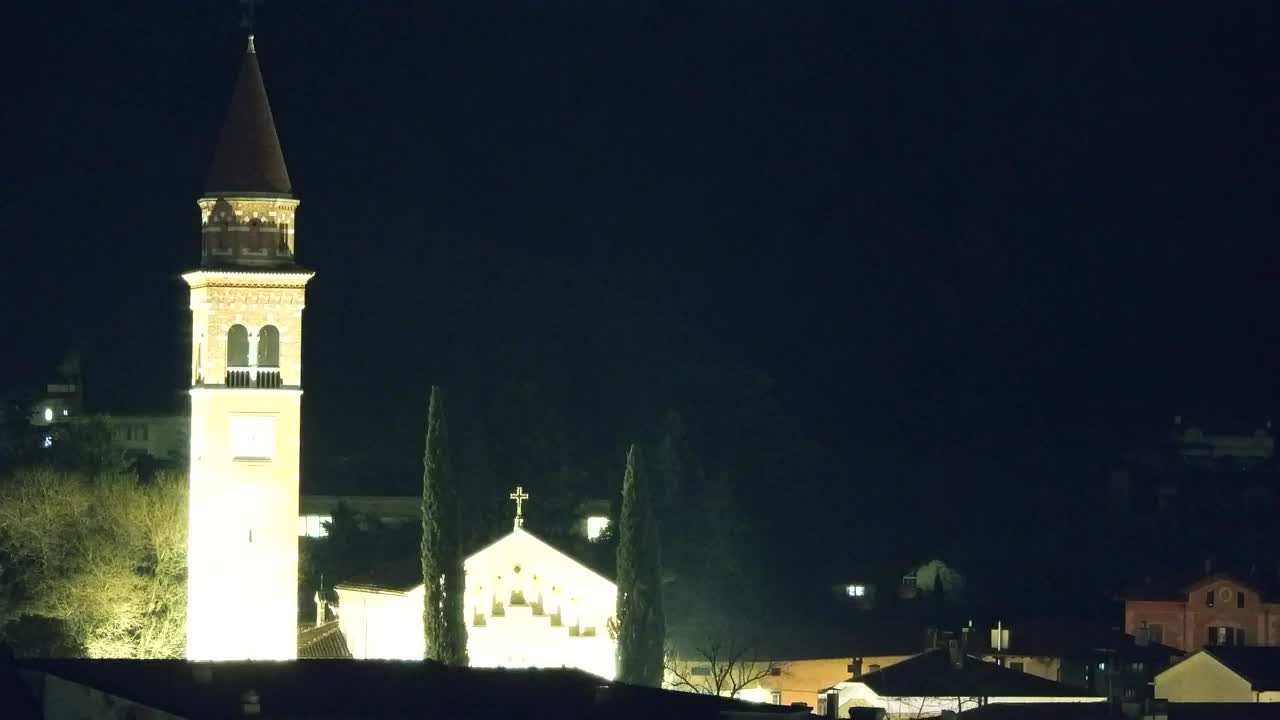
{"x": 755, "y": 694}
{"x": 48, "y": 414}
{"x": 65, "y": 412}
{"x": 312, "y": 526}
{"x": 596, "y": 525}
{"x": 855, "y": 590}
{"x": 48, "y": 441}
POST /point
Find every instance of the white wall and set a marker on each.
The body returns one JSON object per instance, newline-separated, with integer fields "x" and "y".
{"x": 1201, "y": 678}
{"x": 381, "y": 625}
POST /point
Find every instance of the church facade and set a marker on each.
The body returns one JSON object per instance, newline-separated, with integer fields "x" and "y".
{"x": 527, "y": 605}
{"x": 247, "y": 299}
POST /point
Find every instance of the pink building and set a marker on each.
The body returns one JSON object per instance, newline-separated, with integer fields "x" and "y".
{"x": 1216, "y": 610}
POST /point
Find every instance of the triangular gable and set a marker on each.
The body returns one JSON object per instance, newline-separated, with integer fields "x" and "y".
{"x": 506, "y": 544}
{"x": 1218, "y": 578}
{"x": 1193, "y": 660}
{"x": 520, "y": 536}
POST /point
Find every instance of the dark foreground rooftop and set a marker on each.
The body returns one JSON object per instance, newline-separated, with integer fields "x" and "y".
{"x": 366, "y": 689}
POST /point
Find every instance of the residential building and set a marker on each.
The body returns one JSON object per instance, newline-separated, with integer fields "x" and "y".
{"x": 789, "y": 666}
{"x": 160, "y": 437}
{"x": 369, "y": 510}
{"x": 945, "y": 680}
{"x": 1216, "y": 610}
{"x": 1099, "y": 659}
{"x": 927, "y": 578}
{"x": 1221, "y": 473}
{"x": 1224, "y": 674}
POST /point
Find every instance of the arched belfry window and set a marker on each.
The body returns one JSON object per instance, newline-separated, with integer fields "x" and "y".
{"x": 269, "y": 346}
{"x": 237, "y": 346}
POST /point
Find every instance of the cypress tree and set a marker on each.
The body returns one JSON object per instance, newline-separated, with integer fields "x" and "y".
{"x": 444, "y": 631}
{"x": 641, "y": 624}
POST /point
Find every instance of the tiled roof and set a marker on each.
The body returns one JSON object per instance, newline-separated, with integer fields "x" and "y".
{"x": 932, "y": 674}
{"x": 1259, "y": 665}
{"x": 323, "y": 642}
{"x": 248, "y": 158}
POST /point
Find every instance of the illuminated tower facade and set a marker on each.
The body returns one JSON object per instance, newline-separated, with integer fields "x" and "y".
{"x": 246, "y": 392}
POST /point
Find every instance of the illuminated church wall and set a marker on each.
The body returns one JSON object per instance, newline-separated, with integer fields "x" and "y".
{"x": 526, "y": 605}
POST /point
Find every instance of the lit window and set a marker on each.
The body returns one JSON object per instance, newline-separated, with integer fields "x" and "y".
{"x": 65, "y": 412}
{"x": 775, "y": 697}
{"x": 596, "y": 525}
{"x": 48, "y": 414}
{"x": 855, "y": 590}
{"x": 313, "y": 526}
{"x": 909, "y": 581}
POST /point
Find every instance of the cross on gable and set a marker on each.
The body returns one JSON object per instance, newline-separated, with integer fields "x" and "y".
{"x": 519, "y": 496}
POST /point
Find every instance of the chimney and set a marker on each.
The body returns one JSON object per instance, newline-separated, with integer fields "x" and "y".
{"x": 320, "y": 605}
{"x": 855, "y": 667}
{"x": 1208, "y": 566}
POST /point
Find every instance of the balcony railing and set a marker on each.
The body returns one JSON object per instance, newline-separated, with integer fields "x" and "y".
{"x": 253, "y": 377}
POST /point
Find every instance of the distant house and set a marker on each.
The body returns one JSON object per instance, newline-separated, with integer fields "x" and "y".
{"x": 946, "y": 680}
{"x": 1099, "y": 659}
{"x": 927, "y": 578}
{"x": 1216, "y": 610}
{"x": 1223, "y": 675}
{"x": 369, "y": 510}
{"x": 792, "y": 665}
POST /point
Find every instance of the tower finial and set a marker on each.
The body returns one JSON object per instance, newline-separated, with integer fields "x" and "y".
{"x": 247, "y": 17}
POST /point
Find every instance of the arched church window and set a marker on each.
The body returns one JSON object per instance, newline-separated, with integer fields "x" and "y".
{"x": 237, "y": 346}
{"x": 269, "y": 346}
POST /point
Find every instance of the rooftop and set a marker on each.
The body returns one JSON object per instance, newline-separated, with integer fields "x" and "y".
{"x": 1259, "y": 665}
{"x": 932, "y": 674}
{"x": 374, "y": 689}
{"x": 248, "y": 158}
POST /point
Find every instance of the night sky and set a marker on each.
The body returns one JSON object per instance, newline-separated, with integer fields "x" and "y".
{"x": 976, "y": 246}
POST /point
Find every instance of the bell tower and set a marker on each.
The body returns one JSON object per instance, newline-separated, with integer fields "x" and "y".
{"x": 246, "y": 392}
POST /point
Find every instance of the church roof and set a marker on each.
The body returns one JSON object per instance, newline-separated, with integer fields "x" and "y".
{"x": 248, "y": 158}
{"x": 322, "y": 642}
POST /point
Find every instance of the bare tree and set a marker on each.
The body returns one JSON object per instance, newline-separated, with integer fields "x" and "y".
{"x": 107, "y": 558}
{"x": 721, "y": 663}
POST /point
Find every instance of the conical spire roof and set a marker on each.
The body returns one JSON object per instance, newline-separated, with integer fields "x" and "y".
{"x": 248, "y": 158}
